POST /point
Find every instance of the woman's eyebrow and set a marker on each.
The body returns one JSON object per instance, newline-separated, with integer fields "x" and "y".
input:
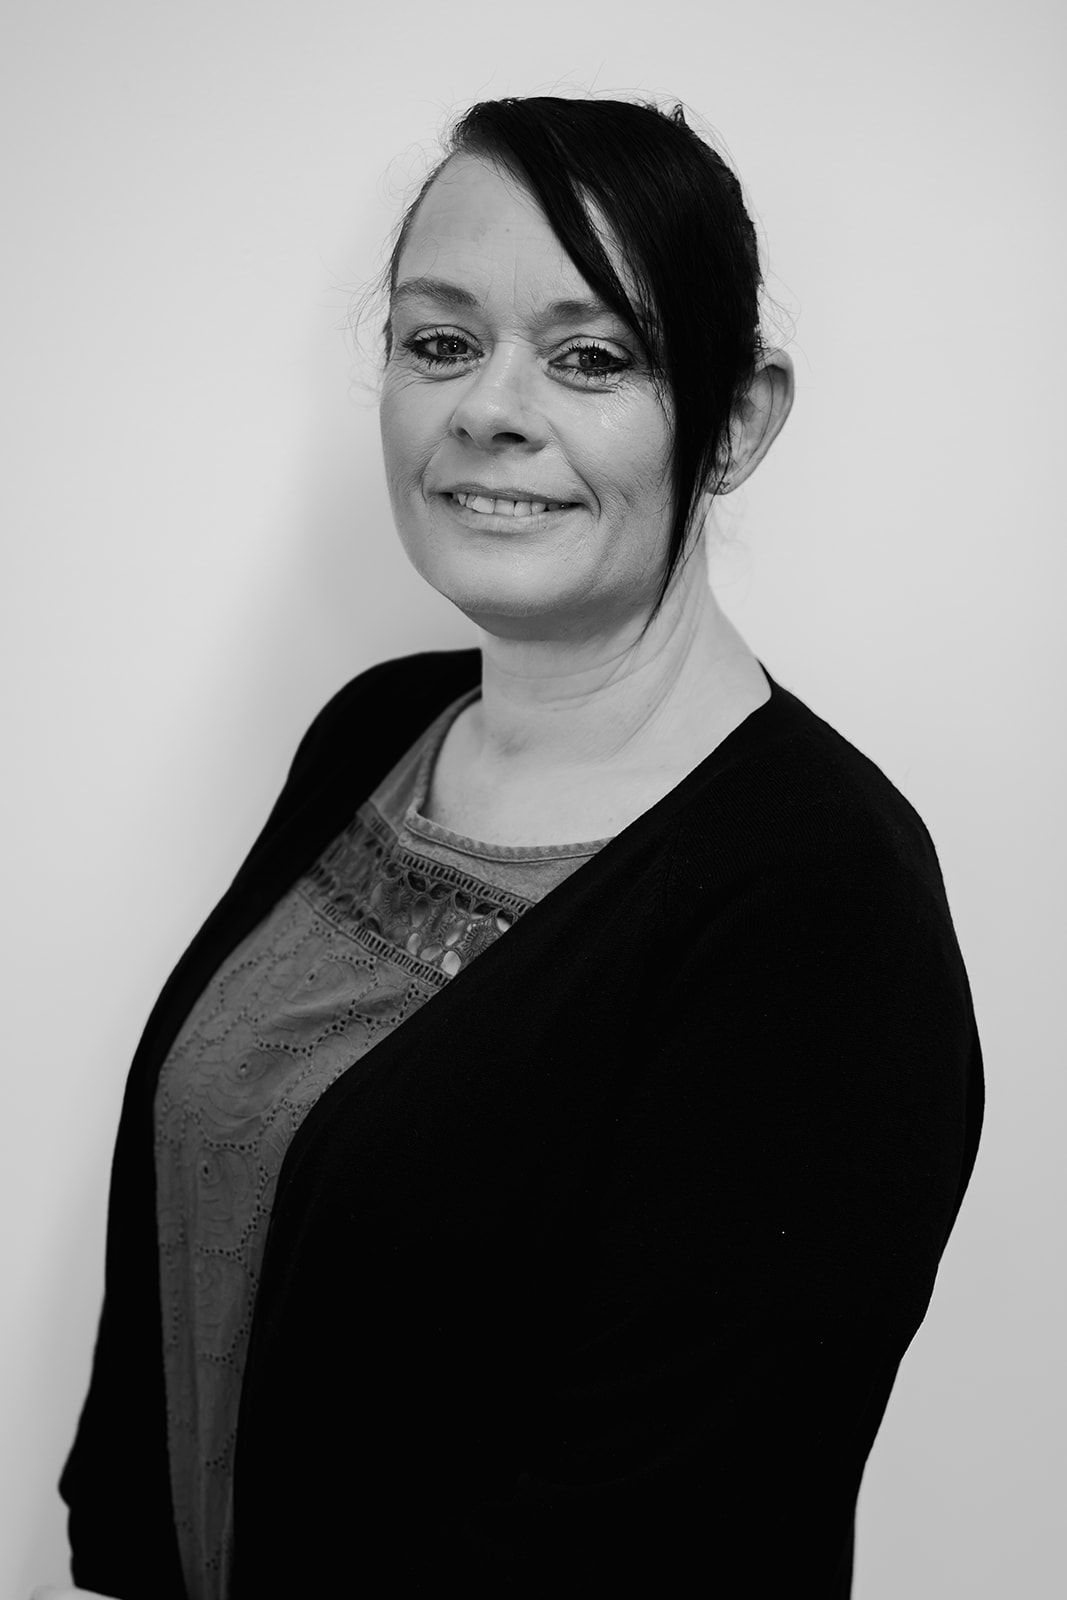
{"x": 459, "y": 299}
{"x": 449, "y": 294}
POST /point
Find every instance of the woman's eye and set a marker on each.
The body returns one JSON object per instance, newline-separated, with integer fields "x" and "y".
{"x": 440, "y": 348}
{"x": 592, "y": 362}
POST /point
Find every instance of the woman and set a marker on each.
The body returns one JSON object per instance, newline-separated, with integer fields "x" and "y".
{"x": 533, "y": 1173}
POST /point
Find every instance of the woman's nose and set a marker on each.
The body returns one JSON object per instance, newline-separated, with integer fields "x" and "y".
{"x": 497, "y": 406}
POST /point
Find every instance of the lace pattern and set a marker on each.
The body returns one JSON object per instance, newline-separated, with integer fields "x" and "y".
{"x": 408, "y": 904}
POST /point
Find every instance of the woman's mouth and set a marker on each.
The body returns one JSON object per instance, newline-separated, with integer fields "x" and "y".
{"x": 503, "y": 507}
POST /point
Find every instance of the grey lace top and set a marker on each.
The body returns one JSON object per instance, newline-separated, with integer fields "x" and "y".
{"x": 393, "y": 909}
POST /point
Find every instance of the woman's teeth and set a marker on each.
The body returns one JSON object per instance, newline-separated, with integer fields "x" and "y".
{"x": 507, "y": 508}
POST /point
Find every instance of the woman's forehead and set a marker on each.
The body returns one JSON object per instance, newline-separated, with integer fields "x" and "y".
{"x": 480, "y": 230}
{"x": 474, "y": 192}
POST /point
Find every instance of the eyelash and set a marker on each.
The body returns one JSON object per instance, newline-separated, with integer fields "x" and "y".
{"x": 415, "y": 346}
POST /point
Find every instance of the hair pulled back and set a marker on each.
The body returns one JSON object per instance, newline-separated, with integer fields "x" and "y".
{"x": 678, "y": 218}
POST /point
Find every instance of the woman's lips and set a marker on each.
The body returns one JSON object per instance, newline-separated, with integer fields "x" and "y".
{"x": 500, "y": 514}
{"x": 505, "y": 506}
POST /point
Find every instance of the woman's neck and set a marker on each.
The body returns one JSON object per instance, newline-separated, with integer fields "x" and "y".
{"x": 606, "y": 704}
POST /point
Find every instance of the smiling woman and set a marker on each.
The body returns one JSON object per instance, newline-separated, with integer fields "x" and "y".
{"x": 532, "y": 1175}
{"x": 541, "y": 397}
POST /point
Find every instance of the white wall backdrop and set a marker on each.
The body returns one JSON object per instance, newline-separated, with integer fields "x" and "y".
{"x": 198, "y": 549}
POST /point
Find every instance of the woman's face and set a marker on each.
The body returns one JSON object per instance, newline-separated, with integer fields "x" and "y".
{"x": 525, "y": 445}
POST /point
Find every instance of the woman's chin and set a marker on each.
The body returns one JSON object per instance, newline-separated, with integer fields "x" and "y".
{"x": 533, "y": 613}
{"x": 525, "y": 594}
{"x": 488, "y": 591}
{"x": 509, "y": 615}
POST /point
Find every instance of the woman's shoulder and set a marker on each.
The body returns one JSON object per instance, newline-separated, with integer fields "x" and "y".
{"x": 393, "y": 700}
{"x": 787, "y": 792}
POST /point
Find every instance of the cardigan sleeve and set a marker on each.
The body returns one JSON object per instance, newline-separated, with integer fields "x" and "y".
{"x": 774, "y": 1194}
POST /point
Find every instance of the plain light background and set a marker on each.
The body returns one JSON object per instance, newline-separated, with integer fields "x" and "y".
{"x": 198, "y": 550}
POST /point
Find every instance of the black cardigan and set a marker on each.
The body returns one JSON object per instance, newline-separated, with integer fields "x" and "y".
{"x": 594, "y": 1276}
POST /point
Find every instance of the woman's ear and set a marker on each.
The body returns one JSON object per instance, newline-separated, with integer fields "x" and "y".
{"x": 760, "y": 417}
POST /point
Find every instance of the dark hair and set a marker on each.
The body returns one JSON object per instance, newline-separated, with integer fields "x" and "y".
{"x": 686, "y": 240}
